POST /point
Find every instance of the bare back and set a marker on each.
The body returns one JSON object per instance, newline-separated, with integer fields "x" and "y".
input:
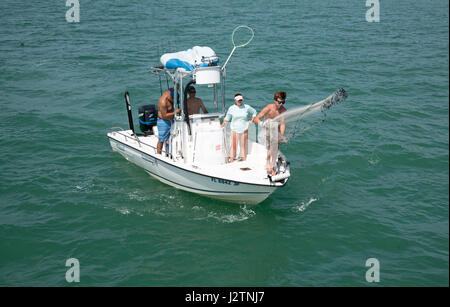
{"x": 165, "y": 106}
{"x": 194, "y": 105}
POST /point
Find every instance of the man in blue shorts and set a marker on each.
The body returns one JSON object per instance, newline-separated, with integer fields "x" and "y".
{"x": 165, "y": 117}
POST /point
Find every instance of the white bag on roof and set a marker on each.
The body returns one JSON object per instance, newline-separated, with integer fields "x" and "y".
{"x": 188, "y": 59}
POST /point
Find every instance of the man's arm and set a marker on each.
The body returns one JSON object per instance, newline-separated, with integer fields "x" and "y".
{"x": 282, "y": 130}
{"x": 164, "y": 113}
{"x": 203, "y": 107}
{"x": 263, "y": 112}
{"x": 163, "y": 110}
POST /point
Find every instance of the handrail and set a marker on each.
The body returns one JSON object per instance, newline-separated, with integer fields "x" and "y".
{"x": 207, "y": 115}
{"x": 139, "y": 141}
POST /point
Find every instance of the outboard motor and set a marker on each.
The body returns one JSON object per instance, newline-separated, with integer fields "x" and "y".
{"x": 148, "y": 115}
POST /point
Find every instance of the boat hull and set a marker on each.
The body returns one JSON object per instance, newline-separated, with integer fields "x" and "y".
{"x": 191, "y": 180}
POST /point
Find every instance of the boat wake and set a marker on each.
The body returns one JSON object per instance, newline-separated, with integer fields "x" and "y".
{"x": 242, "y": 215}
{"x": 169, "y": 206}
{"x": 304, "y": 205}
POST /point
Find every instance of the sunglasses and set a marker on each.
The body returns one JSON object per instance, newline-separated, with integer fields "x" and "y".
{"x": 281, "y": 101}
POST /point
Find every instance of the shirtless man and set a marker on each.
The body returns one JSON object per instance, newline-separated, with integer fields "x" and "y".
{"x": 193, "y": 103}
{"x": 269, "y": 112}
{"x": 165, "y": 116}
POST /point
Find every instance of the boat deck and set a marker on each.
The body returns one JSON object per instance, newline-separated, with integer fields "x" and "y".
{"x": 253, "y": 170}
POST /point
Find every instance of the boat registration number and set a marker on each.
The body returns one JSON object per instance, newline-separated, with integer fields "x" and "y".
{"x": 223, "y": 181}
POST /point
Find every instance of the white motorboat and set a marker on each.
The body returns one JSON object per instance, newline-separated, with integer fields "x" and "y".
{"x": 197, "y": 157}
{"x": 200, "y": 170}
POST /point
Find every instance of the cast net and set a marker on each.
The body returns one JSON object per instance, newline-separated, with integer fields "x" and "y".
{"x": 293, "y": 122}
{"x": 283, "y": 128}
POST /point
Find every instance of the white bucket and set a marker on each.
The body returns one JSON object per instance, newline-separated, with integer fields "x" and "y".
{"x": 207, "y": 75}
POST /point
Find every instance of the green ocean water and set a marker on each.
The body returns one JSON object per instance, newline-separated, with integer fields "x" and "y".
{"x": 370, "y": 182}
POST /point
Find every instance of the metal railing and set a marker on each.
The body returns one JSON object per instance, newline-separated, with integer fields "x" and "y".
{"x": 136, "y": 138}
